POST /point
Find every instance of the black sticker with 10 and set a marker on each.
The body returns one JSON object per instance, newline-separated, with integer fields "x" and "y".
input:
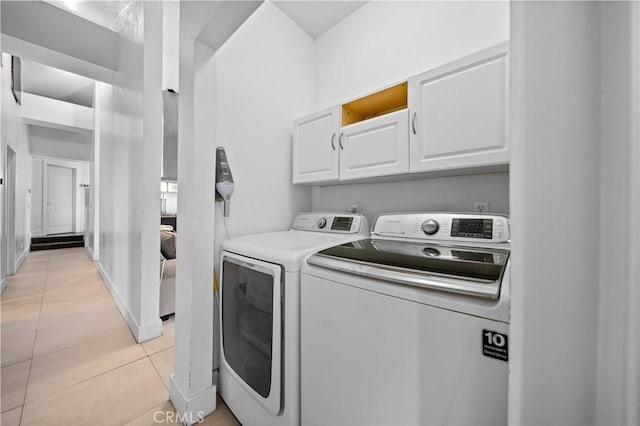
{"x": 495, "y": 345}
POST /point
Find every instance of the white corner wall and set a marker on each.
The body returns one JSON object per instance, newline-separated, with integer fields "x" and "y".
{"x": 264, "y": 77}
{"x": 555, "y": 211}
{"x": 192, "y": 389}
{"x": 382, "y": 43}
{"x": 130, "y": 149}
{"x": 14, "y": 135}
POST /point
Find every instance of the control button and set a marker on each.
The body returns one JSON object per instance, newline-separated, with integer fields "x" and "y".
{"x": 430, "y": 227}
{"x": 500, "y": 224}
{"x": 431, "y": 252}
{"x": 322, "y": 222}
{"x": 499, "y": 234}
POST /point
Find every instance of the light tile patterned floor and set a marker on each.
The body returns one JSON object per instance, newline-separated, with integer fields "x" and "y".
{"x": 68, "y": 357}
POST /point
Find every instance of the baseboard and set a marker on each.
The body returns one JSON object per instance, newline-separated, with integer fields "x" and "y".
{"x": 150, "y": 330}
{"x": 140, "y": 332}
{"x": 21, "y": 260}
{"x": 91, "y": 254}
{"x": 3, "y": 285}
{"x": 192, "y": 410}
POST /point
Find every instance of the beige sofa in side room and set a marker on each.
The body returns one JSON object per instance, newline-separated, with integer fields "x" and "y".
{"x": 167, "y": 273}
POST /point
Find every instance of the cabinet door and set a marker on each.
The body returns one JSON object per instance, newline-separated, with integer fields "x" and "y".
{"x": 459, "y": 113}
{"x": 315, "y": 147}
{"x": 375, "y": 147}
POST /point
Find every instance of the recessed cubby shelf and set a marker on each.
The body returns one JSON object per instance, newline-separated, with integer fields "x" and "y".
{"x": 376, "y": 104}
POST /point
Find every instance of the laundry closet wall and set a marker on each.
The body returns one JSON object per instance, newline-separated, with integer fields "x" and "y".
{"x": 383, "y": 43}
{"x": 263, "y": 81}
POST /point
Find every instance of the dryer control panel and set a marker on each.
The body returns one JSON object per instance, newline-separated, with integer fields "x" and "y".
{"x": 335, "y": 223}
{"x": 462, "y": 227}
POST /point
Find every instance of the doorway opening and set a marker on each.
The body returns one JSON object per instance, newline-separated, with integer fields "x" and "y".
{"x": 60, "y": 200}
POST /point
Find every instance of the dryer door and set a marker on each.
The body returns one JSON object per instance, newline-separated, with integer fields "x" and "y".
{"x": 251, "y": 326}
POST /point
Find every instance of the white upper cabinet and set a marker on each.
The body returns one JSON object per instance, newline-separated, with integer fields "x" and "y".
{"x": 459, "y": 113}
{"x": 375, "y": 147}
{"x": 450, "y": 118}
{"x": 366, "y": 137}
{"x": 315, "y": 147}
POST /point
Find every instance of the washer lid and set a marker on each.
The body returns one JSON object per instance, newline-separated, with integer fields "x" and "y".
{"x": 286, "y": 248}
{"x": 460, "y": 262}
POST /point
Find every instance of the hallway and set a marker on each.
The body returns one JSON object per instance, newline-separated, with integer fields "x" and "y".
{"x": 68, "y": 357}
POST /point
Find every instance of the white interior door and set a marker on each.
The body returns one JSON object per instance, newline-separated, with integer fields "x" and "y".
{"x": 59, "y": 199}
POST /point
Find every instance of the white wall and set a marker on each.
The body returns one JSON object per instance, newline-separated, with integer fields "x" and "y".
{"x": 264, "y": 77}
{"x": 192, "y": 389}
{"x": 130, "y": 150}
{"x": 53, "y": 112}
{"x": 48, "y": 142}
{"x": 92, "y": 227}
{"x": 14, "y": 134}
{"x": 555, "y": 210}
{"x": 386, "y": 42}
{"x": 617, "y": 296}
{"x": 170, "y": 45}
{"x": 39, "y": 166}
{"x": 456, "y": 193}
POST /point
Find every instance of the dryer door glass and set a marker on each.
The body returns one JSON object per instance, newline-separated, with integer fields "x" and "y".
{"x": 248, "y": 318}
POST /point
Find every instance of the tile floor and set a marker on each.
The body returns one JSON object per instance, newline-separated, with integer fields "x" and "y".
{"x": 68, "y": 357}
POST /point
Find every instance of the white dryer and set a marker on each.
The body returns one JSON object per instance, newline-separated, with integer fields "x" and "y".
{"x": 260, "y": 314}
{"x": 409, "y": 327}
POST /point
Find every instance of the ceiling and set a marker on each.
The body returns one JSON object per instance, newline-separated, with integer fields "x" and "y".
{"x": 103, "y": 13}
{"x": 315, "y": 17}
{"x": 50, "y": 82}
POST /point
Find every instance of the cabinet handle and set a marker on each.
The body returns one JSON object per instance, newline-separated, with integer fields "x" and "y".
{"x": 340, "y": 140}
{"x": 333, "y": 141}
{"x": 413, "y": 123}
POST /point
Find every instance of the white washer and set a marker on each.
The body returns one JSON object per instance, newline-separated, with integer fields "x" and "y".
{"x": 410, "y": 326}
{"x": 260, "y": 314}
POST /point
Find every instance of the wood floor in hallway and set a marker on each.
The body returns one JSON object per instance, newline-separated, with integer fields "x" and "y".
{"x": 68, "y": 357}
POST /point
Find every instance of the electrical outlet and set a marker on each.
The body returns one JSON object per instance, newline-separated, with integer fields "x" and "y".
{"x": 481, "y": 206}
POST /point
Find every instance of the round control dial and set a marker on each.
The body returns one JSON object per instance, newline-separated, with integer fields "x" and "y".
{"x": 322, "y": 222}
{"x": 430, "y": 227}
